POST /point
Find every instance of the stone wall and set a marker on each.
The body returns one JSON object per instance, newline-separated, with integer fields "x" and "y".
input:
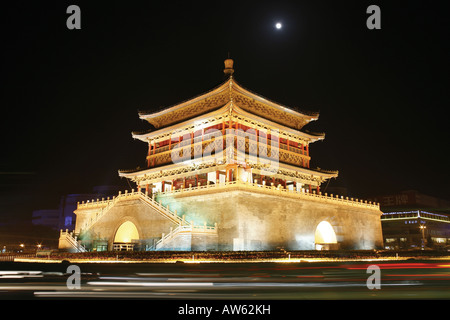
{"x": 191, "y": 242}
{"x": 254, "y": 221}
{"x": 149, "y": 223}
{"x": 246, "y": 220}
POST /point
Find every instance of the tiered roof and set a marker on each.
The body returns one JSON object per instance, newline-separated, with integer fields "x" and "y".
{"x": 230, "y": 91}
{"x": 229, "y": 98}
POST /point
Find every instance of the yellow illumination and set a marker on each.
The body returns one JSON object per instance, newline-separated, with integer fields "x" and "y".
{"x": 126, "y": 232}
{"x": 325, "y": 233}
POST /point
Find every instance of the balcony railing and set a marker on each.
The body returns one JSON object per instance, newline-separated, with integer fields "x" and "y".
{"x": 273, "y": 190}
{"x": 286, "y": 153}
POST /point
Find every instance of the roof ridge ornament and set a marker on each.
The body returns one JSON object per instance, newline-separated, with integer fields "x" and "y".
{"x": 228, "y": 66}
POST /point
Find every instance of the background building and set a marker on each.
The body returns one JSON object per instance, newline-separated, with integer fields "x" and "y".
{"x": 46, "y": 217}
{"x": 412, "y": 220}
{"x": 68, "y": 204}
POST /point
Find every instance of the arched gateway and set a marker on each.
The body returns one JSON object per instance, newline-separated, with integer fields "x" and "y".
{"x": 126, "y": 237}
{"x": 325, "y": 237}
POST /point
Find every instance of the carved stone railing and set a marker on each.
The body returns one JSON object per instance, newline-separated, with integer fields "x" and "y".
{"x": 104, "y": 206}
{"x": 203, "y": 229}
{"x": 72, "y": 240}
{"x": 274, "y": 190}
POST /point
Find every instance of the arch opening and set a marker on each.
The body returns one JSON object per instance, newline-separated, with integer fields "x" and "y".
{"x": 126, "y": 237}
{"x": 325, "y": 237}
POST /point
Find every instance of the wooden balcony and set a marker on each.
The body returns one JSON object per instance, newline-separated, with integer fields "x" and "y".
{"x": 244, "y": 146}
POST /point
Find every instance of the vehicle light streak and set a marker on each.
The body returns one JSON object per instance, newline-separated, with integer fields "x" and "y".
{"x": 401, "y": 266}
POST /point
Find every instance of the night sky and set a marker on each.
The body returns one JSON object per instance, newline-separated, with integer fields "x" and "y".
{"x": 70, "y": 98}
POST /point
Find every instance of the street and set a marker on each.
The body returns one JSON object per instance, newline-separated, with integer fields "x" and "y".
{"x": 399, "y": 279}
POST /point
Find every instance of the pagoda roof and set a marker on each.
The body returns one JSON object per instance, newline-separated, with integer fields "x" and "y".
{"x": 132, "y": 173}
{"x": 229, "y": 91}
{"x": 152, "y": 134}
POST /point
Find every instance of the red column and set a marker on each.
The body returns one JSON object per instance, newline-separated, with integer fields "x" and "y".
{"x": 154, "y": 151}
{"x": 149, "y": 154}
{"x": 257, "y": 140}
{"x": 223, "y": 135}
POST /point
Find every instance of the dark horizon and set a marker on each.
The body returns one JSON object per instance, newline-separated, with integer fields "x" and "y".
{"x": 71, "y": 97}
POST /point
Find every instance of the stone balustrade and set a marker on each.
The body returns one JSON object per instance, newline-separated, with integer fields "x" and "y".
{"x": 104, "y": 205}
{"x": 189, "y": 228}
{"x": 279, "y": 190}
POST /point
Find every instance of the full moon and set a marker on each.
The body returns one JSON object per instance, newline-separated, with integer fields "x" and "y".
{"x": 278, "y": 25}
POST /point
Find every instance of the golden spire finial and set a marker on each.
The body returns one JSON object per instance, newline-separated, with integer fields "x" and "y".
{"x": 229, "y": 66}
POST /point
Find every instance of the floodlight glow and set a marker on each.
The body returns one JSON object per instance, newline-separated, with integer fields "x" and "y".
{"x": 325, "y": 233}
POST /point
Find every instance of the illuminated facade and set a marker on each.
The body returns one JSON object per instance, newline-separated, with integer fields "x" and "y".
{"x": 416, "y": 229}
{"x": 226, "y": 170}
